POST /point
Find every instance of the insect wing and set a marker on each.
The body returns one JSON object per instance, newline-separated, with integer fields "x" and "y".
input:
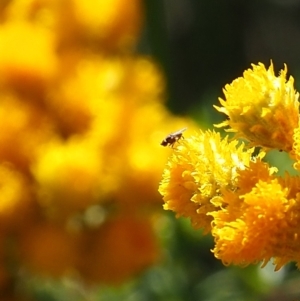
{"x": 178, "y": 133}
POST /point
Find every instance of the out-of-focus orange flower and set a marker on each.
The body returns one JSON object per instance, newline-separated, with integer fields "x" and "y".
{"x": 25, "y": 128}
{"x": 109, "y": 250}
{"x": 82, "y": 118}
{"x": 48, "y": 249}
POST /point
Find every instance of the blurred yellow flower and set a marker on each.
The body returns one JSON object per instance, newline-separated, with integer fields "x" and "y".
{"x": 27, "y": 58}
{"x": 69, "y": 177}
{"x": 82, "y": 117}
{"x": 15, "y": 197}
{"x": 113, "y": 28}
{"x": 26, "y": 128}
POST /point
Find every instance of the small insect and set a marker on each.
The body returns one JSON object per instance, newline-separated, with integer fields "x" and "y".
{"x": 172, "y": 138}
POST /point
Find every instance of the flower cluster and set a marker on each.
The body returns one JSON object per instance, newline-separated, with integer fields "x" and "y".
{"x": 81, "y": 118}
{"x": 226, "y": 188}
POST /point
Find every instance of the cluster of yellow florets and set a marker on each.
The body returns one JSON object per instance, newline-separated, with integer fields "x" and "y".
{"x": 81, "y": 118}
{"x": 224, "y": 188}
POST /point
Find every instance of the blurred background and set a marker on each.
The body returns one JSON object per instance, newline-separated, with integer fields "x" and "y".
{"x": 88, "y": 89}
{"x": 203, "y": 45}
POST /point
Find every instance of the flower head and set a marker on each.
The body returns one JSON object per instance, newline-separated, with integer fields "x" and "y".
{"x": 201, "y": 167}
{"x": 252, "y": 213}
{"x": 262, "y": 107}
{"x": 265, "y": 226}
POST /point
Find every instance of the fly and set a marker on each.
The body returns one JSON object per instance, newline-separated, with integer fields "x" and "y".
{"x": 172, "y": 138}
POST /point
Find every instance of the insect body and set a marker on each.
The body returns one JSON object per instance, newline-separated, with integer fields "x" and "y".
{"x": 172, "y": 138}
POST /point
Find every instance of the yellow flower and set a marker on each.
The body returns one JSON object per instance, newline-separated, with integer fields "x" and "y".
{"x": 256, "y": 171}
{"x": 81, "y": 140}
{"x": 105, "y": 25}
{"x": 112, "y": 27}
{"x": 26, "y": 128}
{"x": 262, "y": 108}
{"x": 16, "y": 204}
{"x": 200, "y": 169}
{"x": 27, "y": 57}
{"x": 264, "y": 225}
{"x": 69, "y": 176}
{"x": 252, "y": 213}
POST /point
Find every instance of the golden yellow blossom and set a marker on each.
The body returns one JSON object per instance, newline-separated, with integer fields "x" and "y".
{"x": 264, "y": 226}
{"x": 200, "y": 168}
{"x": 256, "y": 171}
{"x": 253, "y": 213}
{"x": 258, "y": 104}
